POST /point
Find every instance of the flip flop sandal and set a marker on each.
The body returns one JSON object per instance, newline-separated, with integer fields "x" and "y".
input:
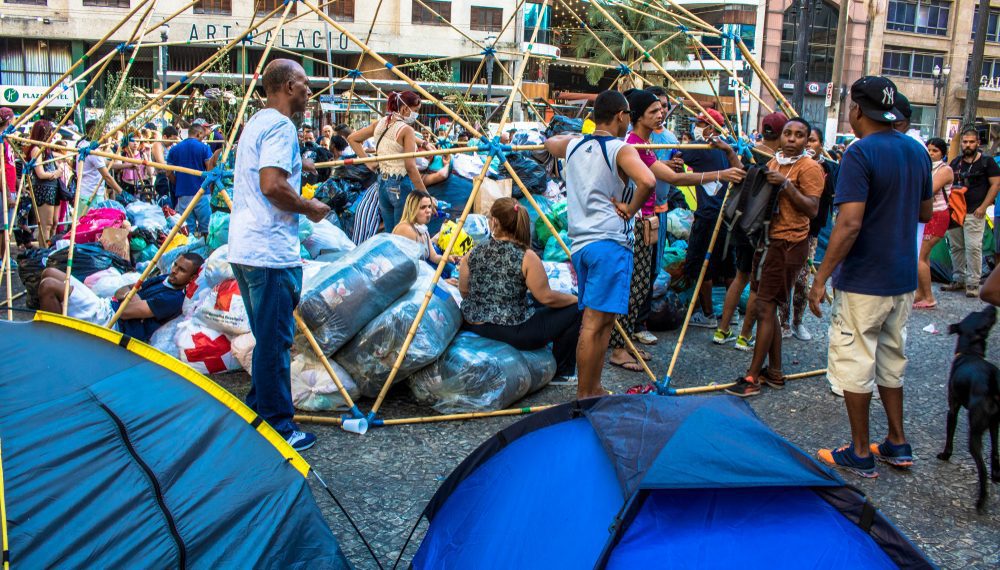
{"x": 625, "y": 365}
{"x": 925, "y": 305}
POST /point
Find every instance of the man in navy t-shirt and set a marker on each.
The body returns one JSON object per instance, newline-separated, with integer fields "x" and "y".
{"x": 159, "y": 300}
{"x": 192, "y": 152}
{"x": 883, "y": 191}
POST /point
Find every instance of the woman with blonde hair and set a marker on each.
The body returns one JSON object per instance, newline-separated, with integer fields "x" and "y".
{"x": 393, "y": 134}
{"x": 494, "y": 280}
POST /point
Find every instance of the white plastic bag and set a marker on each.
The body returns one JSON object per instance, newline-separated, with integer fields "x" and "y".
{"x": 326, "y": 237}
{"x": 313, "y": 389}
{"x": 222, "y": 309}
{"x": 242, "y": 347}
{"x": 147, "y": 216}
{"x": 216, "y": 268}
{"x": 204, "y": 349}
{"x": 679, "y": 223}
{"x": 164, "y": 339}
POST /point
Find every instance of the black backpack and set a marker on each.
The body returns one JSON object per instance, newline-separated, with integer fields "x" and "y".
{"x": 751, "y": 205}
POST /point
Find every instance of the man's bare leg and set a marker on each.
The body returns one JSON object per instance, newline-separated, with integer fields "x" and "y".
{"x": 857, "y": 412}
{"x": 595, "y": 334}
{"x": 732, "y": 299}
{"x": 892, "y": 401}
{"x": 51, "y": 289}
{"x": 750, "y": 319}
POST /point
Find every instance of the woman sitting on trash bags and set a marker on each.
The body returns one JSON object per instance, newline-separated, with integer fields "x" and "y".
{"x": 494, "y": 279}
{"x": 419, "y": 211}
{"x": 393, "y": 135}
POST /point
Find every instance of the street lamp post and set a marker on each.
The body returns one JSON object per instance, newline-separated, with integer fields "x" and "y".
{"x": 940, "y": 85}
{"x": 164, "y": 34}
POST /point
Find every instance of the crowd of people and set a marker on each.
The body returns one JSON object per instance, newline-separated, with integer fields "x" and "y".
{"x": 872, "y": 194}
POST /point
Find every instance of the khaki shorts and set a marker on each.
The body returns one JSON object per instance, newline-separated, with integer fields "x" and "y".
{"x": 867, "y": 340}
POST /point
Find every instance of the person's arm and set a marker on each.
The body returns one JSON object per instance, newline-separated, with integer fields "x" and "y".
{"x": 441, "y": 175}
{"x": 106, "y": 175}
{"x": 275, "y": 187}
{"x": 633, "y": 167}
{"x": 137, "y": 309}
{"x": 410, "y": 145}
{"x": 805, "y": 200}
{"x": 463, "y": 277}
{"x": 556, "y": 146}
{"x": 538, "y": 283}
{"x": 943, "y": 177}
{"x": 356, "y": 141}
{"x": 731, "y": 156}
{"x": 990, "y": 196}
{"x": 213, "y": 159}
{"x": 157, "y": 153}
{"x": 663, "y": 172}
{"x": 40, "y": 173}
{"x": 991, "y": 289}
{"x": 845, "y": 232}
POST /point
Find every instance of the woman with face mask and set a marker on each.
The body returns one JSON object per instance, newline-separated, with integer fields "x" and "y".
{"x": 393, "y": 134}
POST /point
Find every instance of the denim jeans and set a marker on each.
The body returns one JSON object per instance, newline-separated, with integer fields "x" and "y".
{"x": 270, "y": 295}
{"x": 197, "y": 222}
{"x": 392, "y": 194}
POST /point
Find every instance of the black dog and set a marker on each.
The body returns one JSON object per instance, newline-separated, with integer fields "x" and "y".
{"x": 975, "y": 384}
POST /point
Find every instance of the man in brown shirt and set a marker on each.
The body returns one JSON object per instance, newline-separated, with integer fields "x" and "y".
{"x": 800, "y": 180}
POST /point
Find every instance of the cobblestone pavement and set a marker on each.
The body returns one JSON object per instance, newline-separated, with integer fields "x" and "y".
{"x": 385, "y": 477}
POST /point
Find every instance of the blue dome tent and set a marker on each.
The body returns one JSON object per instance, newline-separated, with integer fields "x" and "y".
{"x": 652, "y": 482}
{"x": 116, "y": 455}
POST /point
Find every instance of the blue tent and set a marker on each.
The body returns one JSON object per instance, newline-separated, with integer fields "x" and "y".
{"x": 116, "y": 455}
{"x": 652, "y": 482}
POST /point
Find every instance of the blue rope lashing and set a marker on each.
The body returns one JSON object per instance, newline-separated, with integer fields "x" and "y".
{"x": 494, "y": 148}
{"x": 489, "y": 51}
{"x": 30, "y": 165}
{"x": 123, "y": 46}
{"x": 84, "y": 151}
{"x": 7, "y": 132}
{"x": 683, "y": 29}
{"x": 355, "y": 74}
{"x": 213, "y": 179}
{"x": 624, "y": 69}
{"x": 247, "y": 38}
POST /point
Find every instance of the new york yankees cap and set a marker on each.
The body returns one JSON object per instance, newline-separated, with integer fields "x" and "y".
{"x": 876, "y": 96}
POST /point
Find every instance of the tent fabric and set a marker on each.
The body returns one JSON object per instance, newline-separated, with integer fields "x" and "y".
{"x": 653, "y": 479}
{"x": 118, "y": 456}
{"x": 793, "y": 528}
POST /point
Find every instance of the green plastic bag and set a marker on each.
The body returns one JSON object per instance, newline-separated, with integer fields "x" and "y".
{"x": 554, "y": 251}
{"x": 218, "y": 230}
{"x": 137, "y": 244}
{"x": 558, "y": 218}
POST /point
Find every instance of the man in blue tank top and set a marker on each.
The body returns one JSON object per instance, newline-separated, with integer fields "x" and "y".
{"x": 606, "y": 184}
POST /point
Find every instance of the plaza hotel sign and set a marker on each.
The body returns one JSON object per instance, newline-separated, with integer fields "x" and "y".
{"x": 287, "y": 38}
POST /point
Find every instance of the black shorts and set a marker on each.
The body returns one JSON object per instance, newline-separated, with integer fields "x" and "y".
{"x": 743, "y": 252}
{"x": 720, "y": 266}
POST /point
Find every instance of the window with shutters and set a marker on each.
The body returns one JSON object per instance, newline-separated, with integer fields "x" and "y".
{"x": 341, "y": 10}
{"x": 486, "y": 19}
{"x": 107, "y": 3}
{"x": 224, "y": 7}
{"x": 268, "y": 6}
{"x": 425, "y": 17}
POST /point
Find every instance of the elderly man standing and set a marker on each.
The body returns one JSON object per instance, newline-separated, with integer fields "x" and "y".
{"x": 883, "y": 190}
{"x": 263, "y": 241}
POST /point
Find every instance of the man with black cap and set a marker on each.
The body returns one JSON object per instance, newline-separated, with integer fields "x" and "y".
{"x": 883, "y": 191}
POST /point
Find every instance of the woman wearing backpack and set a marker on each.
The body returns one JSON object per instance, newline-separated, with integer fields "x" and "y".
{"x": 934, "y": 230}
{"x": 393, "y": 134}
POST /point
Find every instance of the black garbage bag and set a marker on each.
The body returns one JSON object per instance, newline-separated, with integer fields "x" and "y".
{"x": 666, "y": 313}
{"x": 88, "y": 259}
{"x": 29, "y": 268}
{"x": 356, "y": 173}
{"x": 339, "y": 194}
{"x": 562, "y": 125}
{"x": 531, "y": 173}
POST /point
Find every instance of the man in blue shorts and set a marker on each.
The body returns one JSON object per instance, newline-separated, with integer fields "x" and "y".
{"x": 606, "y": 184}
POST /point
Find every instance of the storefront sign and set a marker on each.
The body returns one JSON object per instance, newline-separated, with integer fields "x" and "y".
{"x": 23, "y": 96}
{"x": 301, "y": 39}
{"x": 989, "y": 83}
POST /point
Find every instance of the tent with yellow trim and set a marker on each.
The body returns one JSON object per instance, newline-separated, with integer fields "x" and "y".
{"x": 116, "y": 455}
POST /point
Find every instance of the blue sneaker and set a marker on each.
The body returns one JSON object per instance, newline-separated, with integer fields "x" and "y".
{"x": 900, "y": 456}
{"x": 844, "y": 458}
{"x": 301, "y": 440}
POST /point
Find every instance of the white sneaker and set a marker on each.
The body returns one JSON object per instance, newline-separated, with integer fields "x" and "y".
{"x": 786, "y": 332}
{"x": 645, "y": 337}
{"x": 700, "y": 320}
{"x": 801, "y": 332}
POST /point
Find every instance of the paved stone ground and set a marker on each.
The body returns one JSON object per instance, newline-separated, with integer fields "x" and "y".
{"x": 385, "y": 478}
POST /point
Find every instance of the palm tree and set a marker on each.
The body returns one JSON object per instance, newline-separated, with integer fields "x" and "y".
{"x": 647, "y": 31}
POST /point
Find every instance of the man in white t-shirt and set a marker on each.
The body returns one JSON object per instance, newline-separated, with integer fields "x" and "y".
{"x": 95, "y": 171}
{"x": 264, "y": 243}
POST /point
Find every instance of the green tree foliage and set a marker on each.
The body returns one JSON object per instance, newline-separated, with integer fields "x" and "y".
{"x": 647, "y": 31}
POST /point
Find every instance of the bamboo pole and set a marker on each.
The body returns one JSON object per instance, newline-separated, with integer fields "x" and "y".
{"x": 454, "y": 236}
{"x": 72, "y": 239}
{"x": 6, "y": 231}
{"x": 323, "y": 359}
{"x": 717, "y": 387}
{"x": 361, "y": 56}
{"x": 112, "y": 156}
{"x": 201, "y": 191}
{"x": 143, "y": 22}
{"x": 656, "y": 64}
{"x": 4, "y": 545}
{"x": 16, "y": 297}
{"x": 34, "y": 106}
{"x": 42, "y": 239}
{"x": 682, "y": 13}
{"x": 326, "y": 420}
{"x": 194, "y": 74}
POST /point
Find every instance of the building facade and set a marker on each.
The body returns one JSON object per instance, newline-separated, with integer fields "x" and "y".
{"x": 924, "y": 46}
